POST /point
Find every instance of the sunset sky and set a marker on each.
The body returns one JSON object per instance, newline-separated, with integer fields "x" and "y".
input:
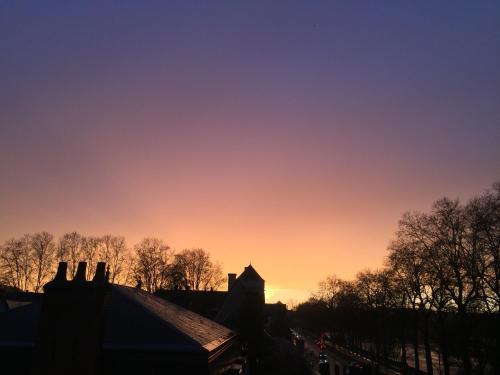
{"x": 288, "y": 134}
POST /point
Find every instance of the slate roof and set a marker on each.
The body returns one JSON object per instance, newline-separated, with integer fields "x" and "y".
{"x": 18, "y": 326}
{"x": 137, "y": 319}
{"x": 134, "y": 320}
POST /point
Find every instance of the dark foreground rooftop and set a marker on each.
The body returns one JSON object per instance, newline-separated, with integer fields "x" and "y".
{"x": 124, "y": 331}
{"x": 137, "y": 319}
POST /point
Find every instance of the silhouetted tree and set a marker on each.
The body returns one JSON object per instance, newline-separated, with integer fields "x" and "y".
{"x": 114, "y": 252}
{"x": 457, "y": 249}
{"x": 16, "y": 260}
{"x": 329, "y": 291}
{"x": 91, "y": 247}
{"x": 485, "y": 211}
{"x": 197, "y": 270}
{"x": 443, "y": 271}
{"x": 439, "y": 300}
{"x": 26, "y": 262}
{"x": 69, "y": 250}
{"x": 43, "y": 253}
{"x": 151, "y": 263}
{"x": 407, "y": 260}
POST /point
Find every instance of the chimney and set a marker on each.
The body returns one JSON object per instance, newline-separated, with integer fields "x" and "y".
{"x": 231, "y": 279}
{"x": 81, "y": 272}
{"x": 61, "y": 272}
{"x": 71, "y": 323}
{"x": 100, "y": 273}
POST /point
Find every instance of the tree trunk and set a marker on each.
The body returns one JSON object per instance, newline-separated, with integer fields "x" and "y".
{"x": 464, "y": 344}
{"x": 428, "y": 353}
{"x": 404, "y": 359}
{"x": 377, "y": 335}
{"x": 384, "y": 336}
{"x": 443, "y": 342}
{"x": 403, "y": 340}
{"x": 377, "y": 345}
{"x": 496, "y": 345}
{"x": 415, "y": 340}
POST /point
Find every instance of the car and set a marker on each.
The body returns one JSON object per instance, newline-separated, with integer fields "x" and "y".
{"x": 323, "y": 358}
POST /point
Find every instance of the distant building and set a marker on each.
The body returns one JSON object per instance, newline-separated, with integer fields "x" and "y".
{"x": 92, "y": 327}
{"x": 221, "y": 306}
{"x": 242, "y": 307}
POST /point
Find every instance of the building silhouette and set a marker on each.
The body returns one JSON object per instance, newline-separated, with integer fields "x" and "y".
{"x": 84, "y": 326}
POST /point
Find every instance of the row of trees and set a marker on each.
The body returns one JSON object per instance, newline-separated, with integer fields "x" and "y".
{"x": 28, "y": 262}
{"x": 156, "y": 266}
{"x": 440, "y": 289}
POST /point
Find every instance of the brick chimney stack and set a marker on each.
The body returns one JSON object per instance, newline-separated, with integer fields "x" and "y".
{"x": 71, "y": 323}
{"x": 231, "y": 279}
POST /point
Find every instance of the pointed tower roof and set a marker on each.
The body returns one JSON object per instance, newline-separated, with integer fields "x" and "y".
{"x": 250, "y": 274}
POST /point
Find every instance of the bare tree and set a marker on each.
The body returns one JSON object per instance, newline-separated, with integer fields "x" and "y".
{"x": 4, "y": 276}
{"x": 199, "y": 272}
{"x": 445, "y": 263}
{"x": 407, "y": 260}
{"x": 375, "y": 291}
{"x": 15, "y": 257}
{"x": 438, "y": 297}
{"x": 484, "y": 213}
{"x": 70, "y": 250}
{"x": 128, "y": 276}
{"x": 457, "y": 248}
{"x": 114, "y": 252}
{"x": 26, "y": 262}
{"x": 437, "y": 256}
{"x": 329, "y": 290}
{"x": 43, "y": 252}
{"x": 216, "y": 277}
{"x": 175, "y": 276}
{"x": 104, "y": 254}
{"x": 151, "y": 263}
{"x": 91, "y": 247}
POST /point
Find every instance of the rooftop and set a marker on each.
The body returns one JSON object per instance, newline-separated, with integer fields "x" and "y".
{"x": 134, "y": 319}
{"x": 139, "y": 319}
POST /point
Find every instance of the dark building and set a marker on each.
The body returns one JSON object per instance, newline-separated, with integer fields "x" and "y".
{"x": 242, "y": 307}
{"x": 204, "y": 302}
{"x": 262, "y": 328}
{"x": 92, "y": 327}
{"x": 245, "y": 295}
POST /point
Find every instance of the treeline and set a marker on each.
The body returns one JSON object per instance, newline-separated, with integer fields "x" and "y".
{"x": 28, "y": 262}
{"x": 439, "y": 289}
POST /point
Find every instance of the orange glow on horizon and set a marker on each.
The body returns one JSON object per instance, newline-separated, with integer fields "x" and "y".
{"x": 243, "y": 130}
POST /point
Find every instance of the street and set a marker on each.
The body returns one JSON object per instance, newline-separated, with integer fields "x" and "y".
{"x": 340, "y": 359}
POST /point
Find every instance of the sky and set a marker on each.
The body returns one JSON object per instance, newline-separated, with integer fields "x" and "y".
{"x": 291, "y": 135}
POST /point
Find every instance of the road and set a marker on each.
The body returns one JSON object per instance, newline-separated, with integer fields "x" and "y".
{"x": 340, "y": 359}
{"x": 311, "y": 346}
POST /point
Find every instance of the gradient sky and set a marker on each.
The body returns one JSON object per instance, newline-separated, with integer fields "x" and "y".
{"x": 292, "y": 134}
